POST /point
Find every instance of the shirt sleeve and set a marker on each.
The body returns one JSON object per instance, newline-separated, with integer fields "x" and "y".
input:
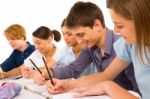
{"x": 58, "y": 54}
{"x": 74, "y": 69}
{"x": 122, "y": 50}
{"x": 36, "y": 57}
{"x": 11, "y": 62}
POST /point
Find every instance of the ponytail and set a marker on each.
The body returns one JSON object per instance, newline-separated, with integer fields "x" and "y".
{"x": 57, "y": 35}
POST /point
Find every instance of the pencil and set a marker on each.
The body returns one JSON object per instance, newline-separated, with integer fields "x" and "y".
{"x": 35, "y": 66}
{"x": 50, "y": 77}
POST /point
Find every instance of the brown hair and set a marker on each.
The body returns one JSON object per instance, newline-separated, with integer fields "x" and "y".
{"x": 139, "y": 12}
{"x": 84, "y": 14}
{"x": 15, "y": 31}
{"x": 44, "y": 32}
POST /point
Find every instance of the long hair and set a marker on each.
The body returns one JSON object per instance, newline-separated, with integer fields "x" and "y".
{"x": 139, "y": 12}
{"x": 44, "y": 33}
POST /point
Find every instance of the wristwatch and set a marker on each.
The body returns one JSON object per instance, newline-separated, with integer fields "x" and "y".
{"x": 1, "y": 73}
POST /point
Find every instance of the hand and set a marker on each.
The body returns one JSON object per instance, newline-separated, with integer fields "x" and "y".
{"x": 87, "y": 91}
{"x": 60, "y": 86}
{"x": 27, "y": 72}
{"x": 39, "y": 78}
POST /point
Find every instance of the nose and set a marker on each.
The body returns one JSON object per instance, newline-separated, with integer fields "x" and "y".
{"x": 10, "y": 41}
{"x": 36, "y": 46}
{"x": 65, "y": 37}
{"x": 116, "y": 30}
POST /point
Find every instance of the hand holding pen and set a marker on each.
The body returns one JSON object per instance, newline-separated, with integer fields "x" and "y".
{"x": 41, "y": 78}
{"x": 49, "y": 74}
{"x": 39, "y": 75}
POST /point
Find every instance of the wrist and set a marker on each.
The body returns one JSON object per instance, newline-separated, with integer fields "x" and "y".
{"x": 70, "y": 83}
{"x": 2, "y": 73}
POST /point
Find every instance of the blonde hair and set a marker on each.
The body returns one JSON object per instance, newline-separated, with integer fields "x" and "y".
{"x": 15, "y": 31}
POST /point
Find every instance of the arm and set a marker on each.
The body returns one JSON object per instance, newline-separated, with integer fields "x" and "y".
{"x": 107, "y": 87}
{"x": 74, "y": 69}
{"x": 109, "y": 74}
{"x": 13, "y": 72}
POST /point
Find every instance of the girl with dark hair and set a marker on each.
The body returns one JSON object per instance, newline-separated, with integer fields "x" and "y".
{"x": 42, "y": 39}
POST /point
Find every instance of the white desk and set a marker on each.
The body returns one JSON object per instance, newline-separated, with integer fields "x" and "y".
{"x": 25, "y": 94}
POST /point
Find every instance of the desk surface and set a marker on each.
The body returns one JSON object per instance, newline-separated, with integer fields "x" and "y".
{"x": 29, "y": 83}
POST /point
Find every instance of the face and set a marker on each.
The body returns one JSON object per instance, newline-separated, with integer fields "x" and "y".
{"x": 41, "y": 45}
{"x": 69, "y": 38}
{"x": 14, "y": 43}
{"x": 124, "y": 27}
{"x": 86, "y": 35}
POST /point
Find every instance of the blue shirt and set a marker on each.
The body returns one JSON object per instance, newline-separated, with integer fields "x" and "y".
{"x": 142, "y": 73}
{"x": 16, "y": 58}
{"x": 93, "y": 55}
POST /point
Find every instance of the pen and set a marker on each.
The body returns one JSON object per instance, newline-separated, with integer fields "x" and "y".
{"x": 50, "y": 77}
{"x": 35, "y": 66}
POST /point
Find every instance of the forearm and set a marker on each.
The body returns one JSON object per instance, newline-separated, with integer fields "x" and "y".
{"x": 88, "y": 80}
{"x": 12, "y": 72}
{"x": 116, "y": 92}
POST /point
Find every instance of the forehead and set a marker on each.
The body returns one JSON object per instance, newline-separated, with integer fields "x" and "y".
{"x": 35, "y": 39}
{"x": 117, "y": 18}
{"x": 78, "y": 30}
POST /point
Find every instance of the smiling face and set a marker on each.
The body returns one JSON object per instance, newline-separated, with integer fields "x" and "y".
{"x": 86, "y": 35}
{"x": 69, "y": 38}
{"x": 42, "y": 45}
{"x": 15, "y": 43}
{"x": 124, "y": 27}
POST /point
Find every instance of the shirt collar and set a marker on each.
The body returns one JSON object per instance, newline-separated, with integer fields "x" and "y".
{"x": 109, "y": 42}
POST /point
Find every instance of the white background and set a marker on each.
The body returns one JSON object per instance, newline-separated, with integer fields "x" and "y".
{"x": 34, "y": 13}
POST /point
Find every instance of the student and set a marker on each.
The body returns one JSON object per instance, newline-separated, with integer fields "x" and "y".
{"x": 132, "y": 21}
{"x": 55, "y": 56}
{"x": 43, "y": 41}
{"x": 75, "y": 48}
{"x": 85, "y": 20}
{"x": 16, "y": 36}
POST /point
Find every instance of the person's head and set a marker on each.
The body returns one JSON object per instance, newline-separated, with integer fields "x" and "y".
{"x": 132, "y": 21}
{"x": 69, "y": 38}
{"x": 16, "y": 35}
{"x": 86, "y": 21}
{"x": 42, "y": 38}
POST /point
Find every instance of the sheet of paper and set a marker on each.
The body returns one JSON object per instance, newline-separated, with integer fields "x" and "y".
{"x": 35, "y": 91}
{"x": 70, "y": 96}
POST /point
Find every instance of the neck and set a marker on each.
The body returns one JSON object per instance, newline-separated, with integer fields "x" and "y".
{"x": 23, "y": 47}
{"x": 50, "y": 51}
{"x": 101, "y": 42}
{"x": 77, "y": 49}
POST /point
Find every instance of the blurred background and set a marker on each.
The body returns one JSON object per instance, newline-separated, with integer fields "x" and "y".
{"x": 34, "y": 13}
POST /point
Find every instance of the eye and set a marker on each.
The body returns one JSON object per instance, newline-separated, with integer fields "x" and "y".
{"x": 69, "y": 33}
{"x": 119, "y": 26}
{"x": 80, "y": 34}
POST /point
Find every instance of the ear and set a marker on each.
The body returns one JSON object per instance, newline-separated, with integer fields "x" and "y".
{"x": 49, "y": 39}
{"x": 97, "y": 26}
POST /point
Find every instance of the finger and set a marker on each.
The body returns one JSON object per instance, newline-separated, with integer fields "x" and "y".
{"x": 49, "y": 85}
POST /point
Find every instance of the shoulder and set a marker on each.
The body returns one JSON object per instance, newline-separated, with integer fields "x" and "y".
{"x": 112, "y": 35}
{"x": 122, "y": 49}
